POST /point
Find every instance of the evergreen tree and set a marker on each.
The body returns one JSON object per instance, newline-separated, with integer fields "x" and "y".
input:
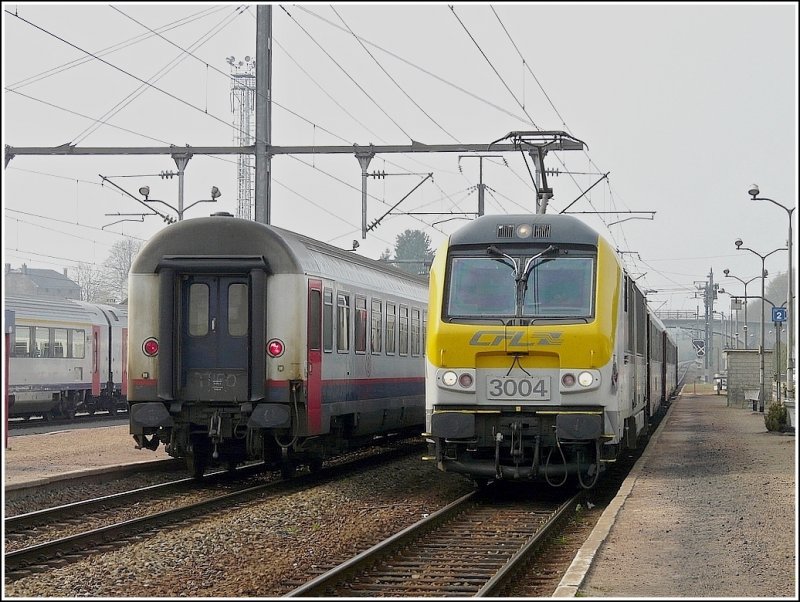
{"x": 413, "y": 250}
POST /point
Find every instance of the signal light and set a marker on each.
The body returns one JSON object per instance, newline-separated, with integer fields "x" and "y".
{"x": 150, "y": 347}
{"x": 465, "y": 380}
{"x": 568, "y": 380}
{"x": 275, "y": 348}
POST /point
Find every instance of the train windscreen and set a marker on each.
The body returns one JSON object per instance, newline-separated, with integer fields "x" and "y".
{"x": 547, "y": 287}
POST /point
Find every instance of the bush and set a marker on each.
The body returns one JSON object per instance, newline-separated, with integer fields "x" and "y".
{"x": 776, "y": 417}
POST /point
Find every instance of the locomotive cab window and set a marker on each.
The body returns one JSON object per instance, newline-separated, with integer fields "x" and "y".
{"x": 551, "y": 287}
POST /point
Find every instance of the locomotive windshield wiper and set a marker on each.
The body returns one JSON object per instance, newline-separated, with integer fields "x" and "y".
{"x": 492, "y": 250}
{"x": 520, "y": 274}
{"x": 529, "y": 264}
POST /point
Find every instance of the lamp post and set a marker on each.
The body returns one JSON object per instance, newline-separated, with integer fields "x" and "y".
{"x": 145, "y": 192}
{"x": 754, "y": 192}
{"x": 739, "y": 247}
{"x": 727, "y": 273}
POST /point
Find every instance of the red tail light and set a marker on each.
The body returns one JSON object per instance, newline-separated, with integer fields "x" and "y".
{"x": 150, "y": 347}
{"x": 275, "y": 348}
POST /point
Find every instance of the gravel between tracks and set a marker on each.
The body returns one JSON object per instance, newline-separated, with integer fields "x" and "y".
{"x": 719, "y": 471}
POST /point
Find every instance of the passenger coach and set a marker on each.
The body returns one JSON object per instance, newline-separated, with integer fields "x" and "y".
{"x": 66, "y": 356}
{"x": 252, "y": 342}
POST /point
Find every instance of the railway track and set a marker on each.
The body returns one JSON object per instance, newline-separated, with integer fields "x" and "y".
{"x": 56, "y": 552}
{"x": 97, "y": 419}
{"x": 472, "y": 547}
{"x": 25, "y": 530}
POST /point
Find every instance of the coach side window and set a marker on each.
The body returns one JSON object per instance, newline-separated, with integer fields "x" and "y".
{"x": 415, "y": 332}
{"x": 377, "y": 326}
{"x": 403, "y": 330}
{"x": 22, "y": 341}
{"x": 424, "y": 329}
{"x": 41, "y": 343}
{"x": 59, "y": 342}
{"x": 327, "y": 321}
{"x": 343, "y": 323}
{"x": 360, "y": 335}
{"x": 391, "y": 317}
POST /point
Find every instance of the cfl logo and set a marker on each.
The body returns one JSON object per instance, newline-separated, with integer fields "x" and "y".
{"x": 492, "y": 338}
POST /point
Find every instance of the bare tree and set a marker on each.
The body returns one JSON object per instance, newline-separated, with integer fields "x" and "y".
{"x": 116, "y": 268}
{"x": 91, "y": 280}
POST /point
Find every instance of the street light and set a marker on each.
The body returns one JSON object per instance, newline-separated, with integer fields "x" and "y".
{"x": 754, "y": 192}
{"x": 145, "y": 192}
{"x": 727, "y": 273}
{"x": 739, "y": 247}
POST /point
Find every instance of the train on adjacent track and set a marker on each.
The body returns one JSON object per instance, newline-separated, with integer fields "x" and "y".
{"x": 544, "y": 361}
{"x": 250, "y": 342}
{"x": 66, "y": 356}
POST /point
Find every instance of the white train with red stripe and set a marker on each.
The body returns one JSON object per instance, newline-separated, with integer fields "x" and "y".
{"x": 251, "y": 342}
{"x": 66, "y": 356}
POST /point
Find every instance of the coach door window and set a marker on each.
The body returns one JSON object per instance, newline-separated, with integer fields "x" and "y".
{"x": 377, "y": 326}
{"x": 403, "y": 330}
{"x": 313, "y": 319}
{"x": 343, "y": 323}
{"x": 327, "y": 321}
{"x": 77, "y": 343}
{"x": 391, "y": 318}
{"x": 237, "y": 310}
{"x": 198, "y": 310}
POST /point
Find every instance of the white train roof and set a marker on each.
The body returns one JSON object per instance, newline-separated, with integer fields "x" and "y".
{"x": 211, "y": 243}
{"x": 52, "y": 309}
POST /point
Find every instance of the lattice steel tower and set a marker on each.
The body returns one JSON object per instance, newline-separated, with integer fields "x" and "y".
{"x": 243, "y": 98}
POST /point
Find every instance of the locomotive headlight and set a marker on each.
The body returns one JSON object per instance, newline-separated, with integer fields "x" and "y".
{"x": 568, "y": 380}
{"x": 275, "y": 347}
{"x": 585, "y": 379}
{"x": 460, "y": 380}
{"x": 150, "y": 347}
{"x": 524, "y": 230}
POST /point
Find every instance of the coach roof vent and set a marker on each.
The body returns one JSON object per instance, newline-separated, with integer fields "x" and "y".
{"x": 221, "y": 214}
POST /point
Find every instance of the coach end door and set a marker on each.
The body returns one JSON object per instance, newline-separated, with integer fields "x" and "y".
{"x": 214, "y": 338}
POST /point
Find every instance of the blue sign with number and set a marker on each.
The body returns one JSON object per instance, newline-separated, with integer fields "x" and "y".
{"x": 778, "y": 314}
